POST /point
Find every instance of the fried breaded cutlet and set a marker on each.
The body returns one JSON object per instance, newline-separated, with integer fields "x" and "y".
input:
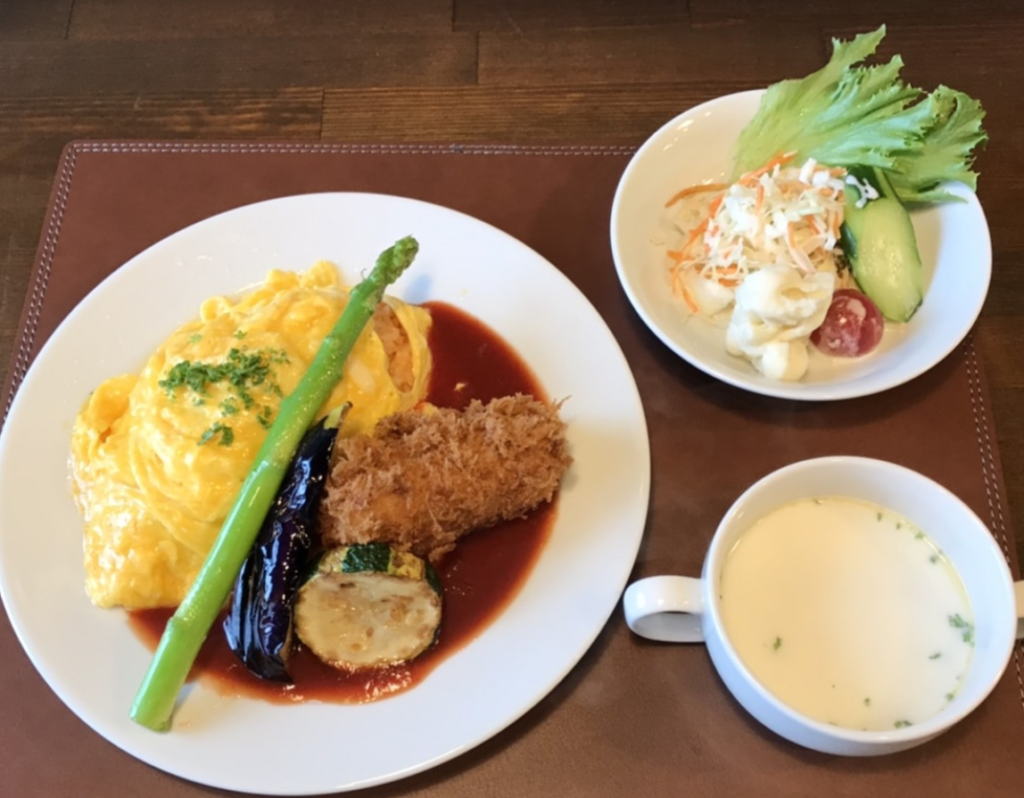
{"x": 424, "y": 479}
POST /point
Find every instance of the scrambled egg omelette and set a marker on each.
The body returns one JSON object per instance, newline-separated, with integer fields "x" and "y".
{"x": 157, "y": 458}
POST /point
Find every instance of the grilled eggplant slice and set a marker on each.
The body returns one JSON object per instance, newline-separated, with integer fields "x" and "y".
{"x": 369, "y": 606}
{"x": 258, "y": 625}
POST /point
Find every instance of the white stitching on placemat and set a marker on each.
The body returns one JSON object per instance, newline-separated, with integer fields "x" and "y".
{"x": 988, "y": 472}
{"x": 42, "y": 281}
{"x": 229, "y": 147}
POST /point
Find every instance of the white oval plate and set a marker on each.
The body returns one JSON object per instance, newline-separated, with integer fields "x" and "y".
{"x": 697, "y": 146}
{"x": 94, "y": 662}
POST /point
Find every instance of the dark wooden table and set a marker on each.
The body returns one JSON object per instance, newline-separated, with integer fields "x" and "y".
{"x": 570, "y": 72}
{"x": 526, "y": 71}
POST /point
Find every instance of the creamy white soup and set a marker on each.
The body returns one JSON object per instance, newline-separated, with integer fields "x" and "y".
{"x": 848, "y": 613}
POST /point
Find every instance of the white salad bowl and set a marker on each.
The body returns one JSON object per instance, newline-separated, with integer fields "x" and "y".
{"x": 683, "y": 609}
{"x": 697, "y": 147}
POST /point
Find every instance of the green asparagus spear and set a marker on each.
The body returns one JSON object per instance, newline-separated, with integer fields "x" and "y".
{"x": 188, "y": 627}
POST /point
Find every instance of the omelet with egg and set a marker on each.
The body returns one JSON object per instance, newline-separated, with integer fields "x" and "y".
{"x": 158, "y": 457}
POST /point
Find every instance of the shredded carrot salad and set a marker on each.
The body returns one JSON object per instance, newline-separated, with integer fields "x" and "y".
{"x": 777, "y": 214}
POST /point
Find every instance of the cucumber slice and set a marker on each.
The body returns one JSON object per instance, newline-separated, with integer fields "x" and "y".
{"x": 368, "y": 606}
{"x": 880, "y": 245}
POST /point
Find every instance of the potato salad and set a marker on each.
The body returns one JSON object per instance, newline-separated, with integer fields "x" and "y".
{"x": 763, "y": 255}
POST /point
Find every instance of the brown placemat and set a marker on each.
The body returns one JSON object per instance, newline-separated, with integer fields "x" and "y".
{"x": 633, "y": 718}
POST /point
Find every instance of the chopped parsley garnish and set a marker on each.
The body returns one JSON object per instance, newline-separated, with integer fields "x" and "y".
{"x": 867, "y": 702}
{"x": 266, "y": 416}
{"x": 777, "y": 644}
{"x": 195, "y": 338}
{"x": 227, "y": 435}
{"x": 936, "y": 655}
{"x": 879, "y": 516}
{"x": 241, "y": 371}
{"x": 966, "y": 628}
{"x": 239, "y": 334}
{"x": 190, "y": 375}
{"x": 902, "y": 724}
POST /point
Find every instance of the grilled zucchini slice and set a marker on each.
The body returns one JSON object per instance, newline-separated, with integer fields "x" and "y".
{"x": 369, "y": 606}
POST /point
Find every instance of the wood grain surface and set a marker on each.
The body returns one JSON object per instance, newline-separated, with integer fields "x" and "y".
{"x": 532, "y": 71}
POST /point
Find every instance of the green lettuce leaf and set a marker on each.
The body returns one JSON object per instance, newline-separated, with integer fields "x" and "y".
{"x": 849, "y": 115}
{"x": 945, "y": 153}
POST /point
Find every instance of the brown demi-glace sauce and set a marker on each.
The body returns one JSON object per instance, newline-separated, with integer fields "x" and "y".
{"x": 480, "y": 577}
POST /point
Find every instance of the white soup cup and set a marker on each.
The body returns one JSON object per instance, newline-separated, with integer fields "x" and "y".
{"x": 684, "y": 609}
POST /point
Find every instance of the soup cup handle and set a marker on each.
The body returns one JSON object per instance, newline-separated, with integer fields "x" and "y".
{"x": 1018, "y": 592}
{"x": 666, "y": 608}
